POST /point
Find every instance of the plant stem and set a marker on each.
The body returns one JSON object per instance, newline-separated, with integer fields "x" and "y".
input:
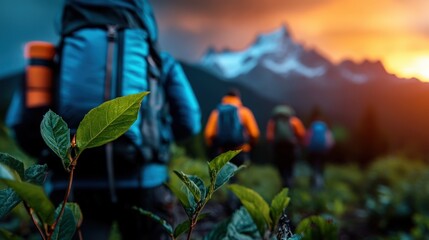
{"x": 30, "y": 212}
{"x": 79, "y": 232}
{"x": 66, "y": 196}
{"x": 191, "y": 227}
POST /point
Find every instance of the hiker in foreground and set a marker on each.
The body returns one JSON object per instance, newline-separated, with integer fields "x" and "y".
{"x": 232, "y": 126}
{"x": 109, "y": 49}
{"x": 285, "y": 133}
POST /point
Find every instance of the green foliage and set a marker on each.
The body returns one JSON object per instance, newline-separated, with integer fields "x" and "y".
{"x": 195, "y": 194}
{"x": 278, "y": 205}
{"x": 9, "y": 199}
{"x": 317, "y": 228}
{"x": 396, "y": 188}
{"x": 255, "y": 205}
{"x": 421, "y": 229}
{"x": 9, "y": 146}
{"x": 155, "y": 217}
{"x": 108, "y": 121}
{"x": 56, "y": 135}
{"x": 35, "y": 197}
{"x": 239, "y": 226}
{"x": 68, "y": 222}
{"x": 217, "y": 164}
{"x": 12, "y": 163}
{"x": 265, "y": 216}
{"x": 192, "y": 186}
{"x": 101, "y": 125}
{"x": 114, "y": 232}
{"x": 262, "y": 178}
{"x": 36, "y": 174}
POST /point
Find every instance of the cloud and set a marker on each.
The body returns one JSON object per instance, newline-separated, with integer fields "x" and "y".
{"x": 234, "y": 8}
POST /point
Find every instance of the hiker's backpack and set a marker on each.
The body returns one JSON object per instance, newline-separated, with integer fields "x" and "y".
{"x": 283, "y": 130}
{"x": 230, "y": 130}
{"x": 317, "y": 137}
{"x": 108, "y": 50}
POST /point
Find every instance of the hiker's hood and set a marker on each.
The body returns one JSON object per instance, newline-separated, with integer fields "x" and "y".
{"x": 233, "y": 100}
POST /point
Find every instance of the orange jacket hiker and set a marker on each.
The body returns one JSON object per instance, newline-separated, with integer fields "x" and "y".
{"x": 246, "y": 117}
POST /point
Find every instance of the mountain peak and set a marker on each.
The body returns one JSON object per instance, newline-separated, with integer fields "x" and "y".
{"x": 277, "y": 35}
{"x": 275, "y": 50}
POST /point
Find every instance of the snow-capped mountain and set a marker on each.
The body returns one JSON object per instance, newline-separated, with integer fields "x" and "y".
{"x": 275, "y": 51}
{"x": 278, "y": 53}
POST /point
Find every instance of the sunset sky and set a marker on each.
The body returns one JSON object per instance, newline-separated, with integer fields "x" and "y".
{"x": 393, "y": 31}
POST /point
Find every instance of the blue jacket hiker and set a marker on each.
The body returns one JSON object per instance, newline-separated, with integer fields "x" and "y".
{"x": 109, "y": 49}
{"x": 319, "y": 141}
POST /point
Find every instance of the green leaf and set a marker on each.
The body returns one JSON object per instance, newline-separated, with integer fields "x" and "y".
{"x": 56, "y": 135}
{"x": 218, "y": 162}
{"x": 155, "y": 217}
{"x": 255, "y": 205}
{"x": 187, "y": 201}
{"x": 219, "y": 231}
{"x": 66, "y": 226}
{"x": 200, "y": 183}
{"x": 192, "y": 187}
{"x": 192, "y": 203}
{"x": 179, "y": 194}
{"x": 226, "y": 173}
{"x": 12, "y": 163}
{"x": 108, "y": 121}
{"x": 181, "y": 228}
{"x": 185, "y": 226}
{"x": 36, "y": 174}
{"x": 77, "y": 213}
{"x": 35, "y": 197}
{"x": 239, "y": 226}
{"x": 9, "y": 199}
{"x": 278, "y": 204}
{"x": 8, "y": 173}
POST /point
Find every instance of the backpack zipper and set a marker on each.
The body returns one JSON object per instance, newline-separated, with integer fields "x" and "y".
{"x": 111, "y": 38}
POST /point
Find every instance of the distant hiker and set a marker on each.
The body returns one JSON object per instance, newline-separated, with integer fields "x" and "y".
{"x": 285, "y": 132}
{"x": 232, "y": 126}
{"x": 319, "y": 141}
{"x": 109, "y": 49}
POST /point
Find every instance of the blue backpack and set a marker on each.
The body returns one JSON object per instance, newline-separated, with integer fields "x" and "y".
{"x": 107, "y": 49}
{"x": 230, "y": 130}
{"x": 318, "y": 137}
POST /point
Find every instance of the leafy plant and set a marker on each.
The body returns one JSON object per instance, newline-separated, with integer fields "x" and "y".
{"x": 239, "y": 226}
{"x": 317, "y": 227}
{"x": 195, "y": 194}
{"x": 100, "y": 125}
{"x": 266, "y": 217}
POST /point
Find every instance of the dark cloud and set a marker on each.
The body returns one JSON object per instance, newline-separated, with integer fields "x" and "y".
{"x": 233, "y": 8}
